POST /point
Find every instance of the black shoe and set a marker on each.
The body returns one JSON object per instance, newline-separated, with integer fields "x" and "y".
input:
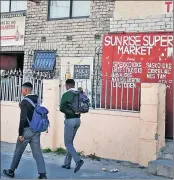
{"x": 42, "y": 177}
{"x": 66, "y": 167}
{"x": 78, "y": 166}
{"x": 9, "y": 173}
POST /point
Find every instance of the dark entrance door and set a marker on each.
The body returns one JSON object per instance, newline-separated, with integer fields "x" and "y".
{"x": 11, "y": 61}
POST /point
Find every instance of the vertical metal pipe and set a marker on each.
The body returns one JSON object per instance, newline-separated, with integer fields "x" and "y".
{"x": 15, "y": 89}
{"x": 81, "y": 84}
{"x": 139, "y": 99}
{"x": 106, "y": 93}
{"x": 127, "y": 101}
{"x": 20, "y": 88}
{"x": 86, "y": 87}
{"x": 111, "y": 95}
{"x": 116, "y": 97}
{"x": 39, "y": 90}
{"x": 10, "y": 88}
{"x": 122, "y": 96}
{"x": 133, "y": 99}
{"x": 95, "y": 95}
{"x": 100, "y": 93}
{"x": 2, "y": 88}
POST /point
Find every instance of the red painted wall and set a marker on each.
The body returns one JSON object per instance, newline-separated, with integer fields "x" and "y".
{"x": 130, "y": 59}
{"x": 8, "y": 62}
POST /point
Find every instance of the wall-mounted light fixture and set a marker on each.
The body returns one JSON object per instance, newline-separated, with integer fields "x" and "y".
{"x": 67, "y": 75}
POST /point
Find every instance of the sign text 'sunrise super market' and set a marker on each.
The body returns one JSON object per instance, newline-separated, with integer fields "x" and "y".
{"x": 138, "y": 45}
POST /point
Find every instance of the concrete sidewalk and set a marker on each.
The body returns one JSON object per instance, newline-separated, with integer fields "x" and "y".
{"x": 90, "y": 170}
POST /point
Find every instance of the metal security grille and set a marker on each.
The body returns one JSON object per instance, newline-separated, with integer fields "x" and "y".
{"x": 44, "y": 60}
{"x": 102, "y": 95}
{"x": 11, "y": 82}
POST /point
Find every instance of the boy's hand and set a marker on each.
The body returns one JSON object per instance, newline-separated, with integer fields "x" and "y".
{"x": 21, "y": 139}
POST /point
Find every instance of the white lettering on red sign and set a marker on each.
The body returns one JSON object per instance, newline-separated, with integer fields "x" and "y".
{"x": 122, "y": 74}
{"x": 169, "y": 6}
{"x": 159, "y": 71}
{"x": 136, "y": 45}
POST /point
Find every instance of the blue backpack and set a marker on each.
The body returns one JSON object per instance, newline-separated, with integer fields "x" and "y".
{"x": 80, "y": 102}
{"x": 39, "y": 121}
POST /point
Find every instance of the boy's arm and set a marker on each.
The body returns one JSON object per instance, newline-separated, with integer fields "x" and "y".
{"x": 63, "y": 105}
{"x": 23, "y": 117}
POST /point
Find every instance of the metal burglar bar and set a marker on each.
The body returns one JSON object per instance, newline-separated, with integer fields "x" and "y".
{"x": 118, "y": 96}
{"x": 109, "y": 95}
{"x": 11, "y": 82}
{"x": 85, "y": 84}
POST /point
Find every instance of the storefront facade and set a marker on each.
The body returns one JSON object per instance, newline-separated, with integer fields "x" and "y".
{"x": 153, "y": 19}
{"x": 13, "y": 15}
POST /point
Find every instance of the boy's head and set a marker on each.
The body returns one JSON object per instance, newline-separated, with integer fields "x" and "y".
{"x": 70, "y": 83}
{"x": 27, "y": 88}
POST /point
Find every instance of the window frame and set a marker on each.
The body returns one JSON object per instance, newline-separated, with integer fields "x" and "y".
{"x": 63, "y": 18}
{"x": 12, "y": 11}
{"x": 44, "y": 51}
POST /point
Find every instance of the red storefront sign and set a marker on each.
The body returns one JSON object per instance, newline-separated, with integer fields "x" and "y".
{"x": 130, "y": 59}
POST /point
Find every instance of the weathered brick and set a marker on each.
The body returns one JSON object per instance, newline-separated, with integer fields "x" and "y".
{"x": 116, "y": 26}
{"x": 134, "y": 25}
{"x": 131, "y": 21}
{"x": 156, "y": 27}
{"x": 139, "y": 29}
{"x": 139, "y": 21}
{"x": 147, "y": 28}
{"x": 130, "y": 29}
{"x": 82, "y": 30}
{"x": 167, "y": 19}
{"x": 121, "y": 22}
{"x": 145, "y": 24}
{"x": 169, "y": 15}
{"x": 166, "y": 27}
{"x": 125, "y": 25}
{"x": 151, "y": 24}
{"x": 160, "y": 23}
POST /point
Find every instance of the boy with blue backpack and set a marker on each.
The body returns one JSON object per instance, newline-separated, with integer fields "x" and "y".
{"x": 33, "y": 121}
{"x": 73, "y": 103}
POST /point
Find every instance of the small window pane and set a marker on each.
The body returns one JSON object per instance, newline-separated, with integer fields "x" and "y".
{"x": 5, "y": 5}
{"x": 81, "y": 8}
{"x": 18, "y": 5}
{"x": 44, "y": 60}
{"x": 59, "y": 9}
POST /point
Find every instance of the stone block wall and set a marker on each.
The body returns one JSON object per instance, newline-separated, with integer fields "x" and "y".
{"x": 163, "y": 22}
{"x": 82, "y": 30}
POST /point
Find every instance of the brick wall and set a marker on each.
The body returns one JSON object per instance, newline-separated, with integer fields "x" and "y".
{"x": 12, "y": 48}
{"x": 83, "y": 31}
{"x": 162, "y": 22}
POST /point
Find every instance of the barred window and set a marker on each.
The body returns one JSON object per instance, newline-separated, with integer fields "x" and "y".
{"x": 44, "y": 60}
{"x": 68, "y": 9}
{"x": 13, "y": 6}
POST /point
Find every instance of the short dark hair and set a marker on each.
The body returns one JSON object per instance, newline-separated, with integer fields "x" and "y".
{"x": 70, "y": 81}
{"x": 28, "y": 85}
